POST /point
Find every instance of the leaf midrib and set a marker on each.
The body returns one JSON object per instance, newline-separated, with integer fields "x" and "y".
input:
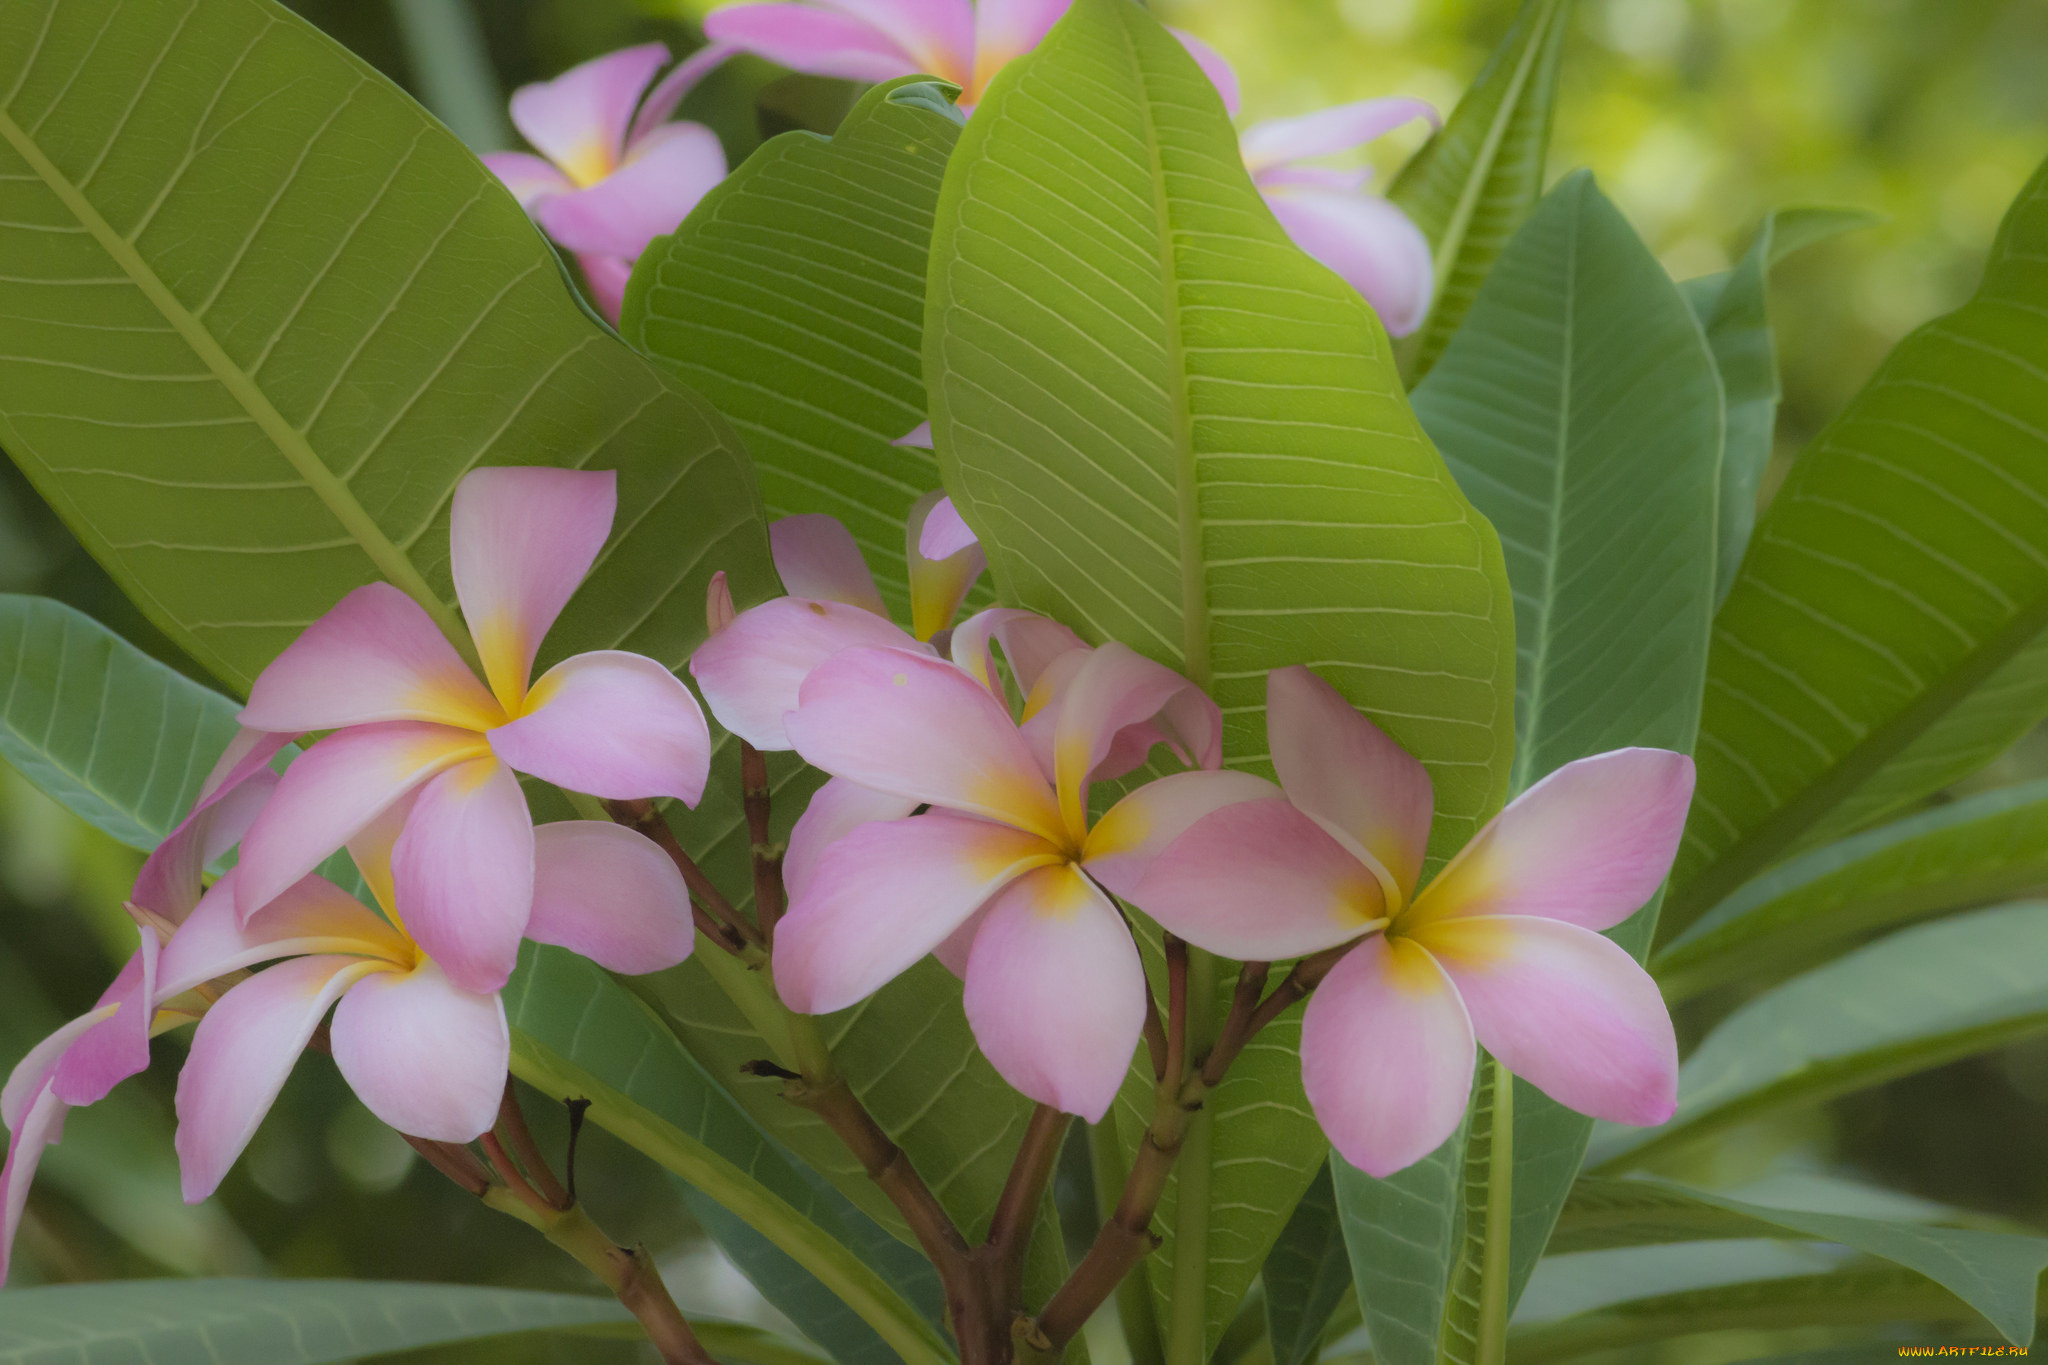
{"x": 289, "y": 442}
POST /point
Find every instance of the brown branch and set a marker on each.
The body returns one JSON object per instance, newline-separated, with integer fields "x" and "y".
{"x": 459, "y": 1164}
{"x": 1009, "y": 1230}
{"x": 885, "y": 1163}
{"x": 755, "y": 794}
{"x": 1176, "y": 1010}
{"x": 512, "y": 1129}
{"x": 1237, "y": 1029}
{"x": 714, "y": 914}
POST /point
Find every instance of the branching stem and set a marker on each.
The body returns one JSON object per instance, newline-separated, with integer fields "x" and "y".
{"x": 714, "y": 914}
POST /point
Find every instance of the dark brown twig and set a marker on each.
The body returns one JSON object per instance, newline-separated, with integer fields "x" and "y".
{"x": 1009, "y": 1230}
{"x": 714, "y": 914}
{"x": 513, "y": 1131}
{"x": 459, "y": 1164}
{"x": 755, "y": 794}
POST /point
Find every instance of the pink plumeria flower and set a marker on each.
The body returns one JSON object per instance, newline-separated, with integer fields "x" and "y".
{"x": 1001, "y": 875}
{"x": 878, "y": 40}
{"x": 409, "y": 713}
{"x": 1329, "y": 214}
{"x": 610, "y": 180}
{"x": 424, "y": 1054}
{"x": 79, "y": 1063}
{"x": 1502, "y": 947}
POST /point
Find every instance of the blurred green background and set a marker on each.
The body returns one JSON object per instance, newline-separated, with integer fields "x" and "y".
{"x": 1697, "y": 115}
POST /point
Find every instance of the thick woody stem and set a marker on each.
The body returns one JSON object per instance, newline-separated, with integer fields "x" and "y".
{"x": 1176, "y": 1011}
{"x": 755, "y": 794}
{"x": 714, "y": 914}
{"x": 1009, "y": 1231}
{"x": 885, "y": 1163}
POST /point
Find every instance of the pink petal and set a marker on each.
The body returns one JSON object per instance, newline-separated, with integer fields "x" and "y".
{"x": 1214, "y": 65}
{"x": 887, "y": 894}
{"x": 315, "y": 916}
{"x": 578, "y": 120}
{"x": 954, "y": 948}
{"x": 528, "y": 177}
{"x": 520, "y": 541}
{"x": 919, "y": 436}
{"x": 1348, "y": 776}
{"x": 1030, "y": 643}
{"x": 422, "y": 1054}
{"x": 718, "y": 609}
{"x": 36, "y": 1068}
{"x": 607, "y": 277}
{"x": 939, "y": 583}
{"x": 463, "y": 872}
{"x": 1369, "y": 242}
{"x": 805, "y": 38}
{"x": 244, "y": 1049}
{"x": 648, "y": 195}
{"x": 752, "y": 672}
{"x": 838, "y": 808}
{"x": 332, "y": 791}
{"x": 816, "y": 558}
{"x": 231, "y": 798}
{"x": 1387, "y": 1055}
{"x": 669, "y": 91}
{"x": 1004, "y": 29}
{"x": 1568, "y": 1010}
{"x": 1589, "y": 844}
{"x": 1259, "y": 881}
{"x": 118, "y": 1047}
{"x": 1114, "y": 687}
{"x": 616, "y": 725}
{"x": 36, "y": 1130}
{"x": 1055, "y": 991}
{"x": 376, "y": 656}
{"x": 938, "y": 34}
{"x": 915, "y": 726}
{"x": 371, "y": 849}
{"x": 1139, "y": 828}
{"x": 1328, "y": 131}
{"x": 603, "y": 891}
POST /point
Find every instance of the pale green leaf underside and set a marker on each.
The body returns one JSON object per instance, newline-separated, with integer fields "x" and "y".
{"x": 1996, "y": 1273}
{"x": 1306, "y": 1274}
{"x": 1887, "y": 1009}
{"x": 1402, "y": 1234}
{"x": 792, "y": 297}
{"x": 264, "y": 313}
{"x": 1885, "y": 635}
{"x": 277, "y": 1322}
{"x": 1983, "y": 848}
{"x": 107, "y": 732}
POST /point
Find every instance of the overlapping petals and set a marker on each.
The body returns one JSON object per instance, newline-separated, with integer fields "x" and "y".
{"x": 411, "y": 718}
{"x": 1500, "y": 948}
{"x": 608, "y": 179}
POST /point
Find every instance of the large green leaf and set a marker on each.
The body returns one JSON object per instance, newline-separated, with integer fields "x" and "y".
{"x": 1171, "y": 428}
{"x": 1580, "y": 409}
{"x": 277, "y": 1322}
{"x": 1305, "y": 1274}
{"x": 115, "y": 737}
{"x": 1987, "y": 847}
{"x": 1471, "y": 185}
{"x": 1885, "y": 635}
{"x": 1734, "y": 308}
{"x": 1924, "y": 996}
{"x": 1402, "y": 1234}
{"x": 264, "y": 312}
{"x": 1996, "y": 1273}
{"x": 793, "y": 298}
{"x": 577, "y": 1033}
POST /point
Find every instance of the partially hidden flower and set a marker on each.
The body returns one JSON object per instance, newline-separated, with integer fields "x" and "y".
{"x": 613, "y": 172}
{"x": 1000, "y": 877}
{"x": 1329, "y": 212}
{"x": 409, "y": 714}
{"x": 1502, "y": 947}
{"x": 423, "y": 1053}
{"x": 958, "y": 41}
{"x": 79, "y": 1063}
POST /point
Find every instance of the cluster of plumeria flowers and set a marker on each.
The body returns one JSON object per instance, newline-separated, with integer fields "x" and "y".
{"x": 615, "y": 171}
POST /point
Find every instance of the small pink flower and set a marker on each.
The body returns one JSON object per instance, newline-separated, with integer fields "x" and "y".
{"x": 608, "y": 180}
{"x": 1502, "y": 947}
{"x": 1329, "y": 214}
{"x": 423, "y": 1053}
{"x": 409, "y": 714}
{"x": 1000, "y": 877}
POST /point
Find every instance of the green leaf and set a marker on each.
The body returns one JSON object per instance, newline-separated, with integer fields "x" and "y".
{"x": 1734, "y": 308}
{"x": 1402, "y": 1234}
{"x": 1471, "y": 185}
{"x": 1996, "y": 1273}
{"x": 1580, "y": 410}
{"x": 1171, "y": 428}
{"x": 1926, "y": 995}
{"x": 279, "y": 1322}
{"x": 264, "y": 312}
{"x": 1885, "y": 634}
{"x": 1306, "y": 1274}
{"x": 577, "y": 1033}
{"x": 1983, "y": 848}
{"x": 793, "y": 299}
{"x": 115, "y": 737}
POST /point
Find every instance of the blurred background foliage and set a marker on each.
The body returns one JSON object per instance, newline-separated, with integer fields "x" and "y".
{"x": 1699, "y": 116}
